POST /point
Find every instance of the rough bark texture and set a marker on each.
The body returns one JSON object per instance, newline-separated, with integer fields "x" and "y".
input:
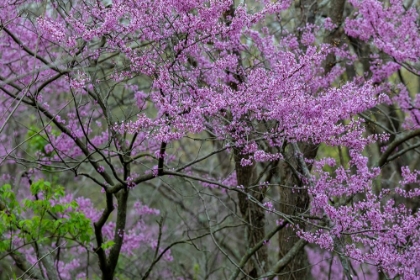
{"x": 335, "y": 37}
{"x": 253, "y": 216}
{"x": 293, "y": 201}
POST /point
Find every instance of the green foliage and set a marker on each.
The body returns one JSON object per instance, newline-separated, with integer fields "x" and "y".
{"x": 108, "y": 244}
{"x": 37, "y": 140}
{"x": 196, "y": 271}
{"x": 340, "y": 154}
{"x": 41, "y": 218}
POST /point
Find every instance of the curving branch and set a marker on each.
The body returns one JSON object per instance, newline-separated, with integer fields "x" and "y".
{"x": 254, "y": 249}
{"x": 285, "y": 260}
{"x": 398, "y": 141}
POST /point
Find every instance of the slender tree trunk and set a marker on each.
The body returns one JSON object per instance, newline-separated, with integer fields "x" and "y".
{"x": 293, "y": 201}
{"x": 253, "y": 216}
{"x": 335, "y": 37}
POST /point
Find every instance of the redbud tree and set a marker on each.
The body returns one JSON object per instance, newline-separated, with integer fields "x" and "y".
{"x": 209, "y": 139}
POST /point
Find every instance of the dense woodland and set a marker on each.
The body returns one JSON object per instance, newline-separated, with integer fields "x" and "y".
{"x": 209, "y": 139}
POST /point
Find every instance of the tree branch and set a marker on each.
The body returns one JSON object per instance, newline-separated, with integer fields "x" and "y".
{"x": 285, "y": 260}
{"x": 398, "y": 141}
{"x": 252, "y": 251}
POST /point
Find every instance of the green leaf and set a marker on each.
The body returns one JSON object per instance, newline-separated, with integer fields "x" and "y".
{"x": 107, "y": 244}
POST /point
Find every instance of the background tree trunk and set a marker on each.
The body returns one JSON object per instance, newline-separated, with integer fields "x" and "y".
{"x": 253, "y": 215}
{"x": 293, "y": 201}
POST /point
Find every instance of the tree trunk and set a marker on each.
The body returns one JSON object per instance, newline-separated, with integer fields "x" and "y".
{"x": 253, "y": 216}
{"x": 293, "y": 201}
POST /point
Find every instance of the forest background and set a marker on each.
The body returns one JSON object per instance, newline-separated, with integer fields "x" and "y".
{"x": 209, "y": 139}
